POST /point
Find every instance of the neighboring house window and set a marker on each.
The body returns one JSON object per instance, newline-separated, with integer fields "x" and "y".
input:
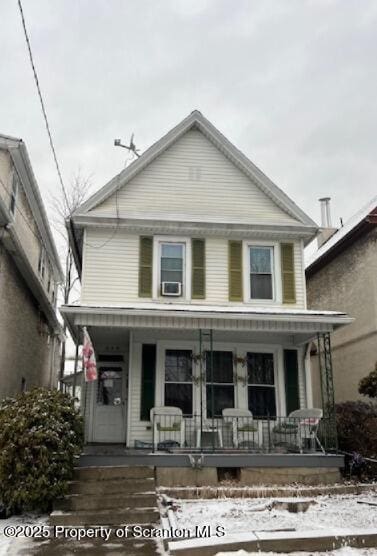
{"x": 261, "y": 384}
{"x": 261, "y": 272}
{"x": 178, "y": 379}
{"x": 172, "y": 263}
{"x": 13, "y": 195}
{"x": 42, "y": 262}
{"x": 220, "y": 392}
{"x": 48, "y": 278}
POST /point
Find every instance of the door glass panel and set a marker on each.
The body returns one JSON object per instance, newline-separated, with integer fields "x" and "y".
{"x": 109, "y": 386}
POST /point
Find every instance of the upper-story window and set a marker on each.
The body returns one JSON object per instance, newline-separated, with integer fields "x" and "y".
{"x": 261, "y": 272}
{"x": 42, "y": 262}
{"x": 14, "y": 192}
{"x": 172, "y": 265}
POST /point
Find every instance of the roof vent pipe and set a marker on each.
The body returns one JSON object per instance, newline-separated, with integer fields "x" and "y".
{"x": 325, "y": 212}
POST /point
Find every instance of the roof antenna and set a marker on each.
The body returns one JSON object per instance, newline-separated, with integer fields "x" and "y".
{"x": 131, "y": 147}
{"x": 341, "y": 222}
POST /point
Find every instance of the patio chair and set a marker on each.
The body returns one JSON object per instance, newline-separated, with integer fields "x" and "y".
{"x": 300, "y": 425}
{"x": 244, "y": 430}
{"x": 168, "y": 426}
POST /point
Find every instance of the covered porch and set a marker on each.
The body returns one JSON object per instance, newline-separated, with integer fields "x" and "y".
{"x": 226, "y": 380}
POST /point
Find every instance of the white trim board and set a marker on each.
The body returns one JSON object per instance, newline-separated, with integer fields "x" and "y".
{"x": 198, "y": 121}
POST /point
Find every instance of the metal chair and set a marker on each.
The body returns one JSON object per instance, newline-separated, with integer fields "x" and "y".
{"x": 300, "y": 425}
{"x": 243, "y": 425}
{"x": 167, "y": 422}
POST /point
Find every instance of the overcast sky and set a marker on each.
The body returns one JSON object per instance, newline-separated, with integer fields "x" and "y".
{"x": 292, "y": 83}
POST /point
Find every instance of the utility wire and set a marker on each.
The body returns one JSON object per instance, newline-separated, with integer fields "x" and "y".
{"x": 43, "y": 105}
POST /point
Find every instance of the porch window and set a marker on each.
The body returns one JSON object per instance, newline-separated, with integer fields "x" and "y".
{"x": 171, "y": 268}
{"x": 261, "y": 384}
{"x": 223, "y": 384}
{"x": 178, "y": 379}
{"x": 261, "y": 263}
{"x": 109, "y": 386}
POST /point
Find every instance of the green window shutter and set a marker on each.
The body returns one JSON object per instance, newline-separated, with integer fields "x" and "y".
{"x": 145, "y": 266}
{"x": 235, "y": 270}
{"x": 148, "y": 380}
{"x": 198, "y": 279}
{"x": 291, "y": 380}
{"x": 288, "y": 273}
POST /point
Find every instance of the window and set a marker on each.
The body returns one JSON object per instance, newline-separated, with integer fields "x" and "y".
{"x": 261, "y": 262}
{"x": 109, "y": 386}
{"x": 42, "y": 262}
{"x": 13, "y": 195}
{"x": 148, "y": 379}
{"x": 178, "y": 379}
{"x": 261, "y": 384}
{"x": 49, "y": 274}
{"x": 171, "y": 267}
{"x": 220, "y": 392}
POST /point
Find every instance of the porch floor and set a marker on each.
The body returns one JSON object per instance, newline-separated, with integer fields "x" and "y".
{"x": 118, "y": 455}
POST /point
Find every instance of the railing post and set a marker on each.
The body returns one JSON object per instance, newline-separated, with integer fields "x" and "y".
{"x": 327, "y": 385}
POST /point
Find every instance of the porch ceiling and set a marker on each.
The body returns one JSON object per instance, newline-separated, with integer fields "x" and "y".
{"x": 300, "y": 324}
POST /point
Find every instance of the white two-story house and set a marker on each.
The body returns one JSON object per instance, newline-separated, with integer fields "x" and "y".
{"x": 193, "y": 293}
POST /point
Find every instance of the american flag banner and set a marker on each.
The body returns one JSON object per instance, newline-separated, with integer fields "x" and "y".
{"x": 89, "y": 358}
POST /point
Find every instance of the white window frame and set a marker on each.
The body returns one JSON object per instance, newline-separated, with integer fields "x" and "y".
{"x": 186, "y": 289}
{"x": 275, "y": 272}
{"x": 240, "y": 390}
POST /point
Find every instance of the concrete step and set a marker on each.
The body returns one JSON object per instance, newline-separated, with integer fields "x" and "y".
{"x": 89, "y": 547}
{"x": 125, "y": 516}
{"x": 111, "y": 473}
{"x": 73, "y": 502}
{"x": 112, "y": 486}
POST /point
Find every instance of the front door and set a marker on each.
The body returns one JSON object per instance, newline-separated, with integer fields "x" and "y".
{"x": 110, "y": 405}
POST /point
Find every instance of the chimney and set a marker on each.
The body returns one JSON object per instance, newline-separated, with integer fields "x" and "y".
{"x": 326, "y": 226}
{"x": 325, "y": 212}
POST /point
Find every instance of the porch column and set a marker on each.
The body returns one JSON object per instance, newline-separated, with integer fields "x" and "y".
{"x": 327, "y": 388}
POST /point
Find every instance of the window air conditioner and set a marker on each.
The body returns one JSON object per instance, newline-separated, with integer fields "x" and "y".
{"x": 171, "y": 288}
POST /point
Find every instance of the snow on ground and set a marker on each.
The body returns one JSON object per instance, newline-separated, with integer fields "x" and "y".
{"x": 345, "y": 551}
{"x": 244, "y": 515}
{"x": 8, "y": 544}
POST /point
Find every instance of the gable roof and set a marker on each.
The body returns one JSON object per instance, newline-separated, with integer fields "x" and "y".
{"x": 197, "y": 121}
{"x": 359, "y": 223}
{"x": 20, "y": 158}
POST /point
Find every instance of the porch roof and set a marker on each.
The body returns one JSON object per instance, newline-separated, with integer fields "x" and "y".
{"x": 215, "y": 317}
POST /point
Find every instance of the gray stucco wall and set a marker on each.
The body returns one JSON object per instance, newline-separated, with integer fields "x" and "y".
{"x": 349, "y": 283}
{"x": 24, "y": 347}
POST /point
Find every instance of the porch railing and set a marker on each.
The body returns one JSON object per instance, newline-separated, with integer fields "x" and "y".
{"x": 172, "y": 433}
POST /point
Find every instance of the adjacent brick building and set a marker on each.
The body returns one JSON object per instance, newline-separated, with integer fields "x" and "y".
{"x": 30, "y": 333}
{"x": 342, "y": 274}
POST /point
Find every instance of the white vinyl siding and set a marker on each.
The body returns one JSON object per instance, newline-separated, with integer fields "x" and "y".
{"x": 110, "y": 271}
{"x": 110, "y": 267}
{"x": 194, "y": 181}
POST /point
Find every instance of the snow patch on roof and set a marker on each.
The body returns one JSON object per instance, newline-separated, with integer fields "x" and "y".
{"x": 342, "y": 232}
